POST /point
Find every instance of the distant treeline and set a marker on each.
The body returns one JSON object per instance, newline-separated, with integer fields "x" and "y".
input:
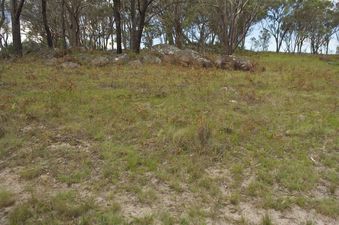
{"x": 132, "y": 24}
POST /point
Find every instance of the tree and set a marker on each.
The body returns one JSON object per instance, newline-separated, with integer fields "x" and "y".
{"x": 231, "y": 20}
{"x": 16, "y": 9}
{"x": 45, "y": 21}
{"x": 74, "y": 9}
{"x": 278, "y": 20}
{"x": 264, "y": 39}
{"x": 117, "y": 17}
{"x": 138, "y": 11}
{"x": 3, "y": 25}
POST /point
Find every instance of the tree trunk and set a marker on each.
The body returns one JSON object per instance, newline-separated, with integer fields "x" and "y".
{"x": 169, "y": 36}
{"x": 64, "y": 43}
{"x": 16, "y": 27}
{"x": 16, "y": 33}
{"x": 141, "y": 26}
{"x": 45, "y": 21}
{"x": 134, "y": 26}
{"x": 117, "y": 16}
{"x": 178, "y": 27}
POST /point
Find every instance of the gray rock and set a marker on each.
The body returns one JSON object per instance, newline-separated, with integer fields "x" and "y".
{"x": 121, "y": 59}
{"x": 151, "y": 59}
{"x": 70, "y": 65}
{"x": 51, "y": 62}
{"x": 187, "y": 57}
{"x": 190, "y": 57}
{"x": 100, "y": 61}
{"x": 164, "y": 49}
{"x": 230, "y": 62}
{"x": 135, "y": 63}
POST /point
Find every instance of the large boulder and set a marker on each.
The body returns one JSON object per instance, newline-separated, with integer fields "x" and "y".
{"x": 230, "y": 62}
{"x": 51, "y": 62}
{"x": 187, "y": 57}
{"x": 121, "y": 59}
{"x": 164, "y": 49}
{"x": 190, "y": 57}
{"x": 70, "y": 65}
{"x": 150, "y": 59}
{"x": 100, "y": 61}
{"x": 135, "y": 63}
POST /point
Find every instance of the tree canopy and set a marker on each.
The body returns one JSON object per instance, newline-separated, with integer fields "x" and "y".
{"x": 135, "y": 24}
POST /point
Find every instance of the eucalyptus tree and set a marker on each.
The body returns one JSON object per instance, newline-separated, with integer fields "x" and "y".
{"x": 279, "y": 20}
{"x": 231, "y": 20}
{"x": 117, "y": 18}
{"x": 16, "y": 9}
{"x": 4, "y": 28}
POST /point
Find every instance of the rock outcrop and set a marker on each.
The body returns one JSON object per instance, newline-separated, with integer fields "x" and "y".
{"x": 230, "y": 62}
{"x": 121, "y": 59}
{"x": 160, "y": 54}
{"x": 150, "y": 59}
{"x": 70, "y": 65}
{"x": 187, "y": 57}
{"x": 173, "y": 55}
{"x": 100, "y": 61}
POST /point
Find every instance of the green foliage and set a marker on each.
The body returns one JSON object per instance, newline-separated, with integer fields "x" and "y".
{"x": 6, "y": 198}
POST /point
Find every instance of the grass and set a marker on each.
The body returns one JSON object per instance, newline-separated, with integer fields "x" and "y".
{"x": 149, "y": 137}
{"x": 6, "y": 198}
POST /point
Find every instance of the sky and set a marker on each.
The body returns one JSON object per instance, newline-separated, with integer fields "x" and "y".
{"x": 256, "y": 32}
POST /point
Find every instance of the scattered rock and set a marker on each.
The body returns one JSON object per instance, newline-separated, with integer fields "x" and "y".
{"x": 51, "y": 62}
{"x": 100, "y": 61}
{"x": 190, "y": 57}
{"x": 135, "y": 63}
{"x": 230, "y": 62}
{"x": 121, "y": 59}
{"x": 243, "y": 64}
{"x": 58, "y": 53}
{"x": 164, "y": 49}
{"x": 151, "y": 59}
{"x": 70, "y": 65}
{"x": 187, "y": 57}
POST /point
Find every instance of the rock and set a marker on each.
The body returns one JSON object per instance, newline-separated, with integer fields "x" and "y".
{"x": 164, "y": 49}
{"x": 230, "y": 62}
{"x": 225, "y": 62}
{"x": 58, "y": 53}
{"x": 51, "y": 62}
{"x": 151, "y": 59}
{"x": 121, "y": 59}
{"x": 187, "y": 57}
{"x": 243, "y": 64}
{"x": 100, "y": 61}
{"x": 70, "y": 65}
{"x": 190, "y": 57}
{"x": 83, "y": 58}
{"x": 135, "y": 63}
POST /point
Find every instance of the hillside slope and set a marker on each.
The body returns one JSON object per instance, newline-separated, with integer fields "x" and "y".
{"x": 170, "y": 145}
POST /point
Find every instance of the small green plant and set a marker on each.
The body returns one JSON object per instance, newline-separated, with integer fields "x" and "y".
{"x": 6, "y": 198}
{"x": 266, "y": 220}
{"x": 309, "y": 222}
{"x": 67, "y": 204}
{"x": 31, "y": 172}
{"x": 20, "y": 214}
{"x": 234, "y": 198}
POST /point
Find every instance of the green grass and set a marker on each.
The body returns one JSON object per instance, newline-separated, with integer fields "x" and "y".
{"x": 6, "y": 198}
{"x": 154, "y": 133}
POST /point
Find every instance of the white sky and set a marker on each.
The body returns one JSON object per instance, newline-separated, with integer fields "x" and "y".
{"x": 256, "y": 32}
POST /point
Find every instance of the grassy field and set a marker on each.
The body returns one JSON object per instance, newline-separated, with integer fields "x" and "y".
{"x": 170, "y": 145}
